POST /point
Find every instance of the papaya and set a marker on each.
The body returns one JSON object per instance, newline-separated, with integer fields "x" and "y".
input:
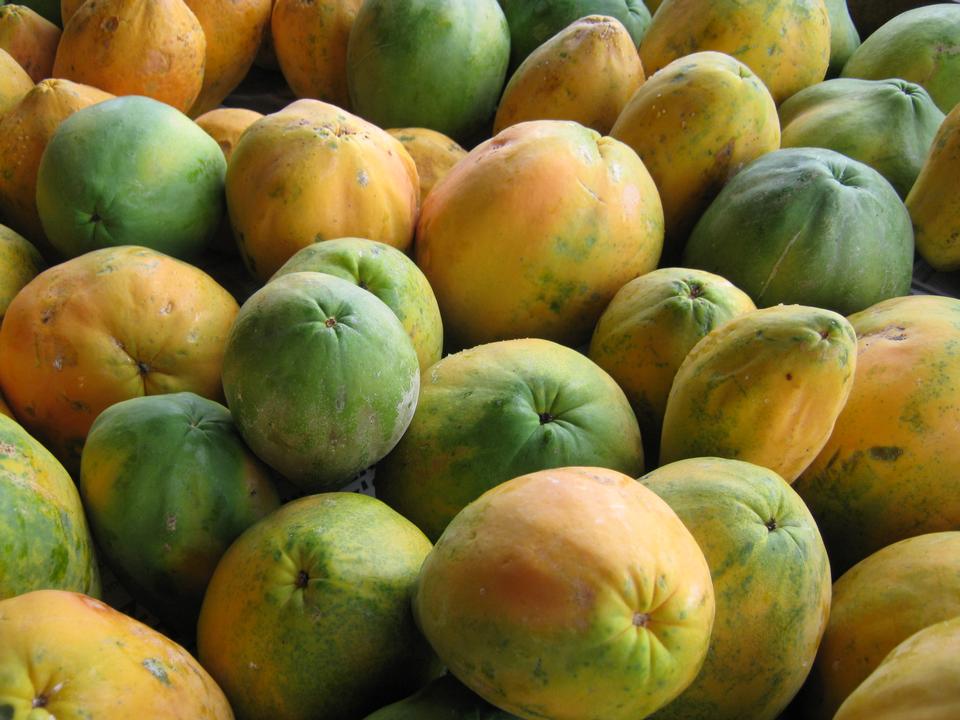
{"x": 889, "y": 470}
{"x": 771, "y": 576}
{"x": 226, "y": 125}
{"x": 337, "y": 389}
{"x": 5, "y": 409}
{"x": 68, "y": 8}
{"x": 310, "y": 40}
{"x": 808, "y": 226}
{"x": 877, "y": 604}
{"x": 695, "y": 124}
{"x": 647, "y": 330}
{"x": 869, "y": 15}
{"x": 433, "y": 153}
{"x": 445, "y": 698}
{"x": 63, "y": 653}
{"x": 135, "y": 47}
{"x": 44, "y": 539}
{"x": 104, "y": 327}
{"x": 919, "y": 46}
{"x": 452, "y": 54}
{"x": 168, "y": 485}
{"x": 14, "y": 82}
{"x": 130, "y": 171}
{"x": 25, "y": 132}
{"x": 313, "y": 172}
{"x": 533, "y": 22}
{"x": 919, "y": 677}
{"x": 886, "y": 124}
{"x": 308, "y": 613}
{"x": 543, "y": 254}
{"x": 844, "y": 38}
{"x": 933, "y": 203}
{"x": 30, "y": 39}
{"x": 496, "y": 411}
{"x": 786, "y": 43}
{"x": 586, "y": 72}
{"x": 766, "y": 388}
{"x": 20, "y": 262}
{"x": 387, "y": 273}
{"x": 50, "y": 9}
{"x": 570, "y": 594}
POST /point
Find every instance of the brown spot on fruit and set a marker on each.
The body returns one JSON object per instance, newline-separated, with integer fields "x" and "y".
{"x": 885, "y": 453}
{"x": 40, "y": 701}
{"x": 771, "y": 524}
{"x": 641, "y": 619}
{"x": 330, "y": 322}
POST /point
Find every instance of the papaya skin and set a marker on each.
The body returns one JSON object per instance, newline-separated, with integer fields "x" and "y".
{"x": 226, "y": 125}
{"x": 30, "y": 39}
{"x": 433, "y": 152}
{"x": 14, "y": 82}
{"x": 20, "y": 262}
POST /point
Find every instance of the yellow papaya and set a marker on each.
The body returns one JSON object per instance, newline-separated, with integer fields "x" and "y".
{"x": 14, "y": 82}
{"x": 226, "y": 125}
{"x": 19, "y": 264}
{"x": 30, "y": 39}
{"x": 433, "y": 153}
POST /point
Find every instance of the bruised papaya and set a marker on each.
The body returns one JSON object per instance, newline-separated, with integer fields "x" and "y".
{"x": 433, "y": 153}
{"x": 30, "y": 39}
{"x": 587, "y": 72}
{"x": 765, "y": 387}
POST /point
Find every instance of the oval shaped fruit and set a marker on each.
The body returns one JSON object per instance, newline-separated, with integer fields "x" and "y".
{"x": 445, "y": 698}
{"x": 919, "y": 46}
{"x": 785, "y": 42}
{"x": 338, "y": 387}
{"x": 765, "y": 388}
{"x": 44, "y": 540}
{"x": 135, "y": 47}
{"x": 542, "y": 254}
{"x": 891, "y": 466}
{"x": 130, "y": 171}
{"x": 312, "y": 172}
{"x": 226, "y": 125}
{"x": 30, "y": 39}
{"x": 566, "y": 580}
{"x": 586, "y": 72}
{"x": 104, "y": 327}
{"x": 20, "y": 262}
{"x": 808, "y": 226}
{"x": 63, "y": 651}
{"x": 24, "y": 134}
{"x": 455, "y": 53}
{"x": 771, "y": 576}
{"x": 14, "y": 82}
{"x": 886, "y": 124}
{"x": 496, "y": 411}
{"x": 432, "y": 152}
{"x": 877, "y": 604}
{"x": 649, "y": 327}
{"x": 695, "y": 124}
{"x": 387, "y": 273}
{"x": 168, "y": 484}
{"x": 308, "y": 613}
{"x": 918, "y": 677}
{"x": 934, "y": 202}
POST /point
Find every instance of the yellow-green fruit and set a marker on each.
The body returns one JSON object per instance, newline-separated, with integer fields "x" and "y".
{"x": 771, "y": 576}
{"x": 878, "y": 604}
{"x": 695, "y": 124}
{"x": 586, "y": 72}
{"x": 534, "y": 232}
{"x": 785, "y": 42}
{"x": 14, "y": 82}
{"x": 934, "y": 200}
{"x": 920, "y": 678}
{"x": 766, "y": 388}
{"x": 313, "y": 172}
{"x": 648, "y": 329}
{"x": 433, "y": 152}
{"x": 19, "y": 264}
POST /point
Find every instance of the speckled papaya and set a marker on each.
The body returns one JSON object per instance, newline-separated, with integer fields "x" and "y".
{"x": 766, "y": 388}
{"x": 433, "y": 153}
{"x": 30, "y": 39}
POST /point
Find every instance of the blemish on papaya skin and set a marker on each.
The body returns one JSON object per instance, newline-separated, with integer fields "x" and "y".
{"x": 885, "y": 453}
{"x": 154, "y": 667}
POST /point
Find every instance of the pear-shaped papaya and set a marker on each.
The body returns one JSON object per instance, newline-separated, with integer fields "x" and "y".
{"x": 30, "y": 39}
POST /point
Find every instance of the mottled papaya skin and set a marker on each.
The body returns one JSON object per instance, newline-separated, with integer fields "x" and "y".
{"x": 877, "y": 604}
{"x": 308, "y": 614}
{"x": 918, "y": 678}
{"x": 771, "y": 576}
{"x": 135, "y": 47}
{"x": 649, "y": 327}
{"x": 587, "y": 72}
{"x": 44, "y": 540}
{"x": 891, "y": 468}
{"x": 695, "y": 124}
{"x": 785, "y": 42}
{"x": 20, "y": 262}
{"x": 433, "y": 152}
{"x": 765, "y": 388}
{"x": 30, "y": 39}
{"x": 934, "y": 199}
{"x": 886, "y": 124}
{"x": 596, "y": 605}
{"x": 543, "y": 254}
{"x": 14, "y": 82}
{"x": 493, "y": 412}
{"x": 919, "y": 46}
{"x": 66, "y": 655}
{"x": 445, "y": 698}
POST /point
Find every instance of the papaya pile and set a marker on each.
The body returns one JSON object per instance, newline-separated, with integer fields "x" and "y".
{"x": 487, "y": 359}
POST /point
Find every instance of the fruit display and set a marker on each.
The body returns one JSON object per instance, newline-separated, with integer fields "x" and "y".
{"x": 491, "y": 359}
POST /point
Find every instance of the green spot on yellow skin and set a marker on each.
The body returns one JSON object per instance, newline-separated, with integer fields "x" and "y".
{"x": 6, "y": 712}
{"x": 887, "y": 454}
{"x": 154, "y": 667}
